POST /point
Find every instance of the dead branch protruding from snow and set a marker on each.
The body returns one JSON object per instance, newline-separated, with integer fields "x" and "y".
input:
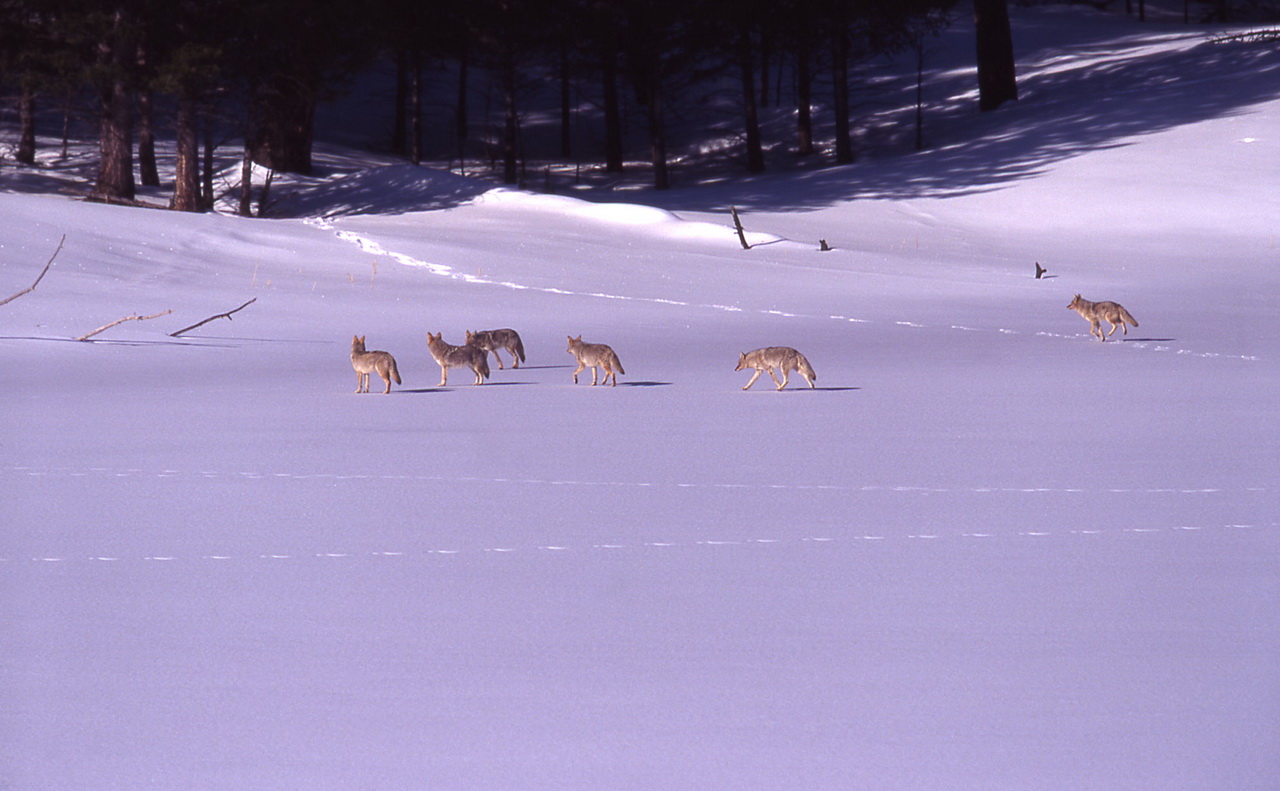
{"x": 226, "y": 316}
{"x": 737, "y": 224}
{"x": 134, "y": 317}
{"x": 43, "y": 272}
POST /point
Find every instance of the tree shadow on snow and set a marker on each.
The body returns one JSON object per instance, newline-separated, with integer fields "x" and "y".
{"x": 1111, "y": 96}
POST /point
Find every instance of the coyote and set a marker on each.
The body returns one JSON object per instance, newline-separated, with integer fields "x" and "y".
{"x": 1096, "y": 312}
{"x": 448, "y": 356}
{"x": 366, "y": 362}
{"x": 594, "y": 355}
{"x": 493, "y": 340}
{"x": 784, "y": 358}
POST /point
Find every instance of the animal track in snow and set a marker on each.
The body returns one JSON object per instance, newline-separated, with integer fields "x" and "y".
{"x": 372, "y": 247}
{"x": 709, "y": 544}
{"x": 261, "y": 476}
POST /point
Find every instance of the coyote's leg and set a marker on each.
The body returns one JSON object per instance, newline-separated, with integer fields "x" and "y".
{"x": 360, "y": 382}
{"x": 578, "y": 370}
{"x": 386, "y": 379}
{"x": 786, "y": 377}
{"x": 444, "y": 375}
{"x": 595, "y": 372}
{"x": 498, "y": 357}
{"x": 609, "y": 372}
{"x": 515, "y": 359}
{"x": 1096, "y": 329}
{"x": 754, "y": 377}
{"x": 774, "y": 377}
{"x": 479, "y": 376}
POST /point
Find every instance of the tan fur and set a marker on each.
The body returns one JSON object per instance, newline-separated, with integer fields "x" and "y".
{"x": 783, "y": 358}
{"x": 448, "y": 356}
{"x": 366, "y": 362}
{"x": 1096, "y": 312}
{"x": 597, "y": 356}
{"x": 493, "y": 340}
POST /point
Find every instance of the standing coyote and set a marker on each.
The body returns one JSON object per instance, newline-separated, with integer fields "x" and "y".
{"x": 784, "y": 358}
{"x": 1113, "y": 313}
{"x": 594, "y": 355}
{"x": 493, "y": 340}
{"x": 448, "y": 356}
{"x": 366, "y": 362}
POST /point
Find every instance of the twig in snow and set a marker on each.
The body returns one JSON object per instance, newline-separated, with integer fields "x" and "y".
{"x": 42, "y": 273}
{"x": 226, "y": 316}
{"x": 134, "y": 317}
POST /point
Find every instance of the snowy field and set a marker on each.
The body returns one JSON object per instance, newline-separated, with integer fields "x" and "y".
{"x": 986, "y": 552}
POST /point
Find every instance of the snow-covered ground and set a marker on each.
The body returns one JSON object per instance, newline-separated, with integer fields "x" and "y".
{"x": 987, "y": 552}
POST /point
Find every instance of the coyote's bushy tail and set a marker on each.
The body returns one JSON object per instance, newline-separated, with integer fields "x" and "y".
{"x": 520, "y": 348}
{"x": 395, "y": 371}
{"x": 483, "y": 367}
{"x": 1128, "y": 317}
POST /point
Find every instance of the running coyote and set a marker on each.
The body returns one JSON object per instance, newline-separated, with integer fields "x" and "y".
{"x": 366, "y": 362}
{"x": 784, "y": 358}
{"x": 448, "y": 356}
{"x": 1096, "y": 312}
{"x": 493, "y": 340}
{"x": 595, "y": 355}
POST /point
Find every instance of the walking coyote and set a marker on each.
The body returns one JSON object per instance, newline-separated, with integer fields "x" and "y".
{"x": 594, "y": 355}
{"x": 493, "y": 340}
{"x": 784, "y": 358}
{"x": 1096, "y": 312}
{"x": 448, "y": 356}
{"x": 366, "y": 362}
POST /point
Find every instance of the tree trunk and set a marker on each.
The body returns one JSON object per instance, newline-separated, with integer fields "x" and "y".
{"x": 766, "y": 56}
{"x": 461, "y": 122}
{"x": 26, "y": 153}
{"x": 186, "y": 182}
{"x": 755, "y": 153}
{"x": 566, "y": 104}
{"x": 148, "y": 173}
{"x": 613, "y": 153}
{"x": 415, "y": 107}
{"x": 997, "y": 77}
{"x": 657, "y": 135}
{"x": 399, "y": 146}
{"x": 115, "y": 121}
{"x": 510, "y": 125}
{"x": 920, "y": 53}
{"x": 206, "y": 184}
{"x": 285, "y": 126}
{"x": 840, "y": 86}
{"x": 246, "y": 181}
{"x": 804, "y": 103}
